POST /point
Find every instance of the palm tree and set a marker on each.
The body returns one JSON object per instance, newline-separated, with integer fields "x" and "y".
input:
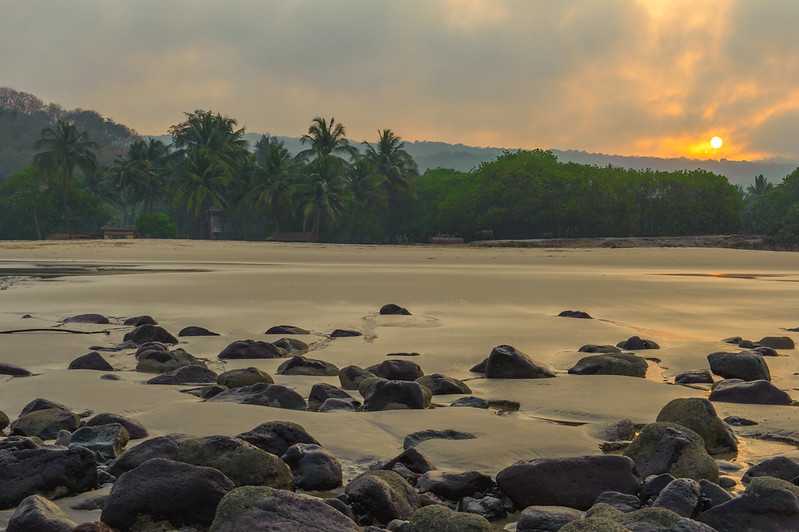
{"x": 273, "y": 180}
{"x": 326, "y": 139}
{"x": 366, "y": 194}
{"x": 148, "y": 160}
{"x": 62, "y": 150}
{"x": 759, "y": 187}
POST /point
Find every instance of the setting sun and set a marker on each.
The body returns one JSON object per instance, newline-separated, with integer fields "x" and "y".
{"x": 716, "y": 143}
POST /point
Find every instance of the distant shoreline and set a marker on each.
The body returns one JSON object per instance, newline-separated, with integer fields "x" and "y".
{"x": 755, "y": 242}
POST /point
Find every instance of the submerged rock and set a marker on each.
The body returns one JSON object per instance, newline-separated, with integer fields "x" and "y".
{"x": 507, "y": 362}
{"x": 241, "y": 349}
{"x": 95, "y": 319}
{"x": 135, "y": 321}
{"x": 592, "y": 348}
{"x": 442, "y": 385}
{"x": 193, "y": 330}
{"x": 185, "y": 375}
{"x": 92, "y": 360}
{"x": 415, "y": 438}
{"x": 274, "y": 395}
{"x": 236, "y": 378}
{"x": 345, "y": 333}
{"x": 300, "y": 365}
{"x": 150, "y": 333}
{"x": 611, "y": 364}
{"x": 287, "y": 329}
{"x": 392, "y": 310}
{"x": 755, "y": 392}
{"x": 700, "y": 416}
{"x": 13, "y": 371}
{"x": 397, "y": 370}
{"x": 636, "y": 343}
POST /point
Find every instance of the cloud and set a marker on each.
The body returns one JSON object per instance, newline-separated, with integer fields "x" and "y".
{"x": 624, "y": 76}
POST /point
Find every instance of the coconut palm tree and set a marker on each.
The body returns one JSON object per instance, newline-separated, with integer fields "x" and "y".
{"x": 273, "y": 179}
{"x": 327, "y": 138}
{"x": 367, "y": 197}
{"x": 322, "y": 193}
{"x": 759, "y": 187}
{"x": 63, "y": 149}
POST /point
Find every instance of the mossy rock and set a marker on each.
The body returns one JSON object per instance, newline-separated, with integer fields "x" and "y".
{"x": 672, "y": 448}
{"x": 437, "y": 518}
{"x": 700, "y": 416}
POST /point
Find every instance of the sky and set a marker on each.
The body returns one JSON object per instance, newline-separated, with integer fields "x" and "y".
{"x": 630, "y": 77}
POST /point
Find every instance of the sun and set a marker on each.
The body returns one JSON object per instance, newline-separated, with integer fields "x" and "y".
{"x": 716, "y": 143}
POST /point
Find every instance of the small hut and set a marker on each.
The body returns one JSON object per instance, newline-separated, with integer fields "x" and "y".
{"x": 115, "y": 233}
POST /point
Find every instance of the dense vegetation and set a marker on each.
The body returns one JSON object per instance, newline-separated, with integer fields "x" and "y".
{"x": 354, "y": 193}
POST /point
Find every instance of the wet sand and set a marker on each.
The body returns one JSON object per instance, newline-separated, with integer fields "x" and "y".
{"x": 464, "y": 302}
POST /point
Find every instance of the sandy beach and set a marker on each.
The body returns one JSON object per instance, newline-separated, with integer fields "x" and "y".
{"x": 464, "y": 302}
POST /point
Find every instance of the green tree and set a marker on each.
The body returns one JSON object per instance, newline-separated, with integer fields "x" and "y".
{"x": 273, "y": 179}
{"x": 326, "y": 138}
{"x": 321, "y": 194}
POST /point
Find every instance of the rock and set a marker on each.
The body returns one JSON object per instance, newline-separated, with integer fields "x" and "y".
{"x": 671, "y": 448}
{"x": 205, "y": 392}
{"x": 442, "y": 385}
{"x": 754, "y": 392}
{"x": 415, "y": 438}
{"x": 38, "y": 514}
{"x": 397, "y": 370}
{"x": 437, "y": 518}
{"x": 393, "y": 310}
{"x": 107, "y": 441}
{"x": 734, "y": 340}
{"x": 341, "y": 506}
{"x": 292, "y": 346}
{"x": 454, "y": 486}
{"x": 182, "y": 494}
{"x": 345, "y": 333}
{"x": 58, "y": 473}
{"x": 746, "y": 366}
{"x": 274, "y": 395}
{"x": 352, "y": 376}
{"x": 236, "y": 378}
{"x": 611, "y": 364}
{"x": 623, "y": 429}
{"x": 471, "y": 401}
{"x": 241, "y": 349}
{"x": 604, "y": 518}
{"x": 41, "y": 404}
{"x": 150, "y": 333}
{"x": 653, "y": 485}
{"x": 110, "y": 377}
{"x": 19, "y": 443}
{"x": 762, "y": 350}
{"x": 96, "y": 526}
{"x": 592, "y": 348}
{"x": 158, "y": 447}
{"x": 623, "y": 502}
{"x": 395, "y": 395}
{"x": 135, "y": 321}
{"x": 711, "y": 495}
{"x": 403, "y": 354}
{"x": 701, "y": 376}
{"x": 681, "y": 496}
{"x": 768, "y": 504}
{"x": 480, "y": 367}
{"x": 277, "y": 436}
{"x": 506, "y": 362}
{"x": 243, "y": 463}
{"x": 322, "y": 391}
{"x": 92, "y": 360}
{"x": 782, "y": 467}
{"x": 335, "y": 404}
{"x": 62, "y": 438}
{"x": 185, "y": 375}
{"x": 46, "y": 423}
{"x": 777, "y": 342}
{"x": 571, "y": 482}
{"x": 12, "y": 370}
{"x": 153, "y": 360}
{"x": 412, "y": 459}
{"x": 748, "y": 344}
{"x": 368, "y": 384}
{"x": 286, "y": 329}
{"x": 546, "y": 518}
{"x": 4, "y": 421}
{"x": 700, "y": 416}
{"x": 261, "y": 509}
{"x": 95, "y": 319}
{"x": 636, "y": 343}
{"x": 314, "y": 468}
{"x": 300, "y": 365}
{"x": 381, "y": 496}
{"x": 492, "y": 507}
{"x": 575, "y": 314}
{"x": 727, "y": 482}
{"x": 193, "y": 330}
{"x": 136, "y": 430}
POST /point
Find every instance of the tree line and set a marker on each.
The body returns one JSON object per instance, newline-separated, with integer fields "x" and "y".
{"x": 369, "y": 192}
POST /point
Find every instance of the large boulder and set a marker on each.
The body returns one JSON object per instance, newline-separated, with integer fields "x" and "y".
{"x": 777, "y": 342}
{"x": 287, "y": 329}
{"x": 782, "y": 467}
{"x": 92, "y": 360}
{"x": 546, "y": 518}
{"x": 700, "y": 416}
{"x": 165, "y": 490}
{"x": 243, "y": 349}
{"x": 185, "y": 375}
{"x": 155, "y": 359}
{"x": 381, "y": 496}
{"x": 194, "y": 330}
{"x": 150, "y": 333}
{"x": 94, "y": 319}
{"x": 437, "y": 518}
{"x": 45, "y": 471}
{"x": 107, "y": 441}
{"x": 507, "y": 362}
{"x": 314, "y": 468}
{"x": 277, "y": 436}
{"x": 605, "y": 518}
{"x": 240, "y": 461}
{"x": 300, "y": 365}
{"x": 136, "y": 430}
{"x": 13, "y": 371}
{"x": 322, "y": 391}
{"x": 41, "y": 404}
{"x": 671, "y": 448}
{"x": 746, "y": 366}
{"x": 158, "y": 447}
{"x": 439, "y": 384}
{"x": 572, "y": 482}
{"x": 391, "y": 309}
{"x": 274, "y": 395}
{"x": 397, "y": 395}
{"x": 38, "y": 514}
{"x": 454, "y": 486}
{"x": 636, "y": 343}
{"x": 262, "y": 509}
{"x": 45, "y": 424}
{"x": 236, "y": 378}
{"x": 352, "y": 376}
{"x": 760, "y": 392}
{"x": 397, "y": 370}
{"x": 768, "y": 504}
{"x": 611, "y": 364}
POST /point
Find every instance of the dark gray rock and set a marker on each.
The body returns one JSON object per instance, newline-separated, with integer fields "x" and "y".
{"x": 155, "y": 360}
{"x": 397, "y": 370}
{"x": 300, "y": 365}
{"x": 701, "y": 376}
{"x": 345, "y": 333}
{"x": 314, "y": 468}
{"x": 762, "y": 350}
{"x": 286, "y": 329}
{"x": 575, "y": 314}
{"x": 135, "y": 321}
{"x": 439, "y": 384}
{"x": 593, "y": 348}
{"x": 38, "y": 514}
{"x": 546, "y": 518}
{"x": 95, "y": 319}
{"x": 397, "y": 395}
{"x": 236, "y": 378}
{"x": 277, "y": 436}
{"x": 437, "y": 518}
{"x": 41, "y": 404}
{"x": 768, "y": 504}
{"x": 415, "y": 438}
{"x": 755, "y": 392}
{"x": 777, "y": 342}
{"x": 106, "y": 441}
{"x": 653, "y": 485}
{"x": 681, "y": 496}
{"x": 700, "y": 416}
{"x": 711, "y": 495}
{"x": 45, "y": 424}
{"x": 136, "y": 430}
{"x": 380, "y": 496}
{"x": 454, "y": 486}
{"x": 623, "y": 502}
{"x": 671, "y": 448}
{"x": 412, "y": 459}
{"x": 471, "y": 401}
{"x": 165, "y": 490}
{"x": 150, "y": 333}
{"x": 490, "y": 506}
{"x": 507, "y": 362}
{"x": 14, "y": 371}
{"x": 611, "y": 364}
{"x": 45, "y": 471}
{"x": 4, "y": 421}
{"x": 335, "y": 404}
{"x": 745, "y": 365}
{"x": 782, "y": 467}
{"x": 193, "y": 330}
{"x": 185, "y": 375}
{"x": 158, "y": 447}
{"x": 636, "y": 343}
{"x": 571, "y": 482}
{"x": 352, "y": 376}
{"x": 292, "y": 346}
{"x": 243, "y": 349}
{"x": 92, "y": 360}
{"x": 391, "y": 309}
{"x": 206, "y": 392}
{"x": 274, "y": 395}
{"x": 322, "y": 391}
